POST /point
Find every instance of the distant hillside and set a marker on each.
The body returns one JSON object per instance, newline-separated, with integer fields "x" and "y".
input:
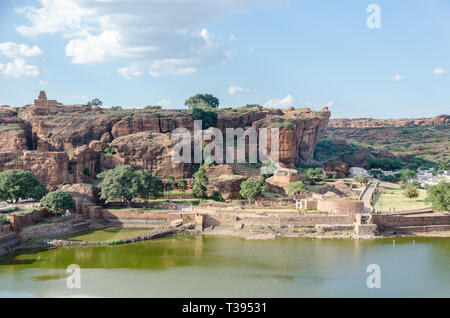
{"x": 391, "y": 142}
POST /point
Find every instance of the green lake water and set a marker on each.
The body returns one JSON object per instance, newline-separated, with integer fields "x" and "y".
{"x": 212, "y": 266}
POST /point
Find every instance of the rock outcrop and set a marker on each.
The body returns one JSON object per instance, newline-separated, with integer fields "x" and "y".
{"x": 227, "y": 186}
{"x": 73, "y": 143}
{"x": 338, "y": 169}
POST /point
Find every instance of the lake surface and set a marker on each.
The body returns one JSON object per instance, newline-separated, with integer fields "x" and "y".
{"x": 211, "y": 266}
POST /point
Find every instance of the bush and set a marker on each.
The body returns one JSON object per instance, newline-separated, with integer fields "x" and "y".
{"x": 411, "y": 191}
{"x": 58, "y": 202}
{"x": 250, "y": 189}
{"x": 295, "y": 187}
{"x": 216, "y": 197}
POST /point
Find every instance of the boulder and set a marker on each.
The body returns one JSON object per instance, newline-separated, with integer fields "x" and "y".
{"x": 339, "y": 169}
{"x": 228, "y": 186}
{"x": 84, "y": 191}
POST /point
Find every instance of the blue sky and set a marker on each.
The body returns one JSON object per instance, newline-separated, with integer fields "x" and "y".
{"x": 276, "y": 53}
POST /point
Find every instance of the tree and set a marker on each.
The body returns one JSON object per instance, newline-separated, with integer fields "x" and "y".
{"x": 58, "y": 202}
{"x": 439, "y": 196}
{"x": 149, "y": 185}
{"x": 169, "y": 185}
{"x": 411, "y": 191}
{"x": 200, "y": 183}
{"x": 119, "y": 183}
{"x": 361, "y": 178}
{"x": 295, "y": 187}
{"x": 443, "y": 164}
{"x": 314, "y": 174}
{"x": 16, "y": 184}
{"x": 208, "y": 118}
{"x": 407, "y": 174}
{"x": 250, "y": 189}
{"x": 207, "y": 100}
{"x": 376, "y": 173}
{"x": 182, "y": 185}
{"x": 95, "y": 102}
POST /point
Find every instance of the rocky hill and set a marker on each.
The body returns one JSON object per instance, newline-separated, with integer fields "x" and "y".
{"x": 73, "y": 143}
{"x": 390, "y": 142}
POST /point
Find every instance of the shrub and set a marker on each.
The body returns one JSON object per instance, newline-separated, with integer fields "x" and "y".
{"x": 250, "y": 189}
{"x": 58, "y": 202}
{"x": 411, "y": 191}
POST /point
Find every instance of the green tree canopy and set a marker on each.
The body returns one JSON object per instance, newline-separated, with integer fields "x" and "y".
{"x": 58, "y": 202}
{"x": 250, "y": 189}
{"x": 407, "y": 174}
{"x": 411, "y": 191}
{"x": 314, "y": 174}
{"x": 208, "y": 118}
{"x": 200, "y": 183}
{"x": 361, "y": 178}
{"x": 443, "y": 164}
{"x": 182, "y": 185}
{"x": 120, "y": 183}
{"x": 201, "y": 101}
{"x": 149, "y": 185}
{"x": 295, "y": 187}
{"x": 16, "y": 184}
{"x": 95, "y": 102}
{"x": 439, "y": 196}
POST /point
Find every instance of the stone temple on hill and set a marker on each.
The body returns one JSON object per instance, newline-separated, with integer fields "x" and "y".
{"x": 43, "y": 101}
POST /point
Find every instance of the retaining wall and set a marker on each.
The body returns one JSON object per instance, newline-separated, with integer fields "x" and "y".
{"x": 343, "y": 207}
{"x": 392, "y": 221}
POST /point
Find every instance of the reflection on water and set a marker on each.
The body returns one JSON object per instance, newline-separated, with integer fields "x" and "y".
{"x": 205, "y": 266}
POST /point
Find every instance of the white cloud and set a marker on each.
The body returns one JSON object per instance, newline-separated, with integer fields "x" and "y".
{"x": 439, "y": 71}
{"x": 398, "y": 77}
{"x": 130, "y": 72}
{"x": 289, "y": 100}
{"x": 163, "y": 37}
{"x": 18, "y": 68}
{"x": 80, "y": 97}
{"x": 236, "y": 90}
{"x": 43, "y": 83}
{"x": 19, "y": 53}
{"x": 14, "y": 50}
{"x": 165, "y": 103}
{"x": 94, "y": 48}
{"x": 232, "y": 37}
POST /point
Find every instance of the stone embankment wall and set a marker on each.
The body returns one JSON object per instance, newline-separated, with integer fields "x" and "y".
{"x": 229, "y": 219}
{"x": 132, "y": 216}
{"x": 8, "y": 239}
{"x": 19, "y": 221}
{"x": 388, "y": 221}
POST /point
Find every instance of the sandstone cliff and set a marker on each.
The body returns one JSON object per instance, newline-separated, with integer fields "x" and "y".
{"x": 66, "y": 143}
